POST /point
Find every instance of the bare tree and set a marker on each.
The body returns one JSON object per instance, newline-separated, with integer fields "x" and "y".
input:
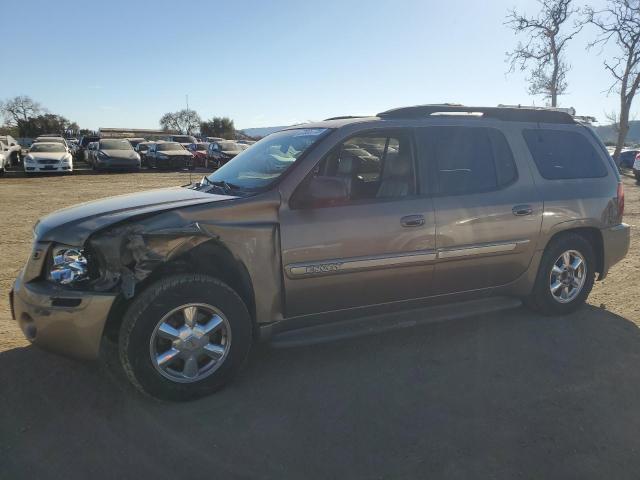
{"x": 20, "y": 109}
{"x": 543, "y": 53}
{"x": 619, "y": 23}
{"x": 184, "y": 121}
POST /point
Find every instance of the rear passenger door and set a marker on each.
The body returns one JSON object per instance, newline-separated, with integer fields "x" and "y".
{"x": 488, "y": 212}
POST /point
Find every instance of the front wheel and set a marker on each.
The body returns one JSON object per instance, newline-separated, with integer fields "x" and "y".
{"x": 185, "y": 337}
{"x": 565, "y": 276}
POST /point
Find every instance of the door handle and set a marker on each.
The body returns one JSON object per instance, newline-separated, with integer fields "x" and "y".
{"x": 522, "y": 210}
{"x": 412, "y": 221}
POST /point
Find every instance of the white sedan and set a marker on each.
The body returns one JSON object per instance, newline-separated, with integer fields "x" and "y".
{"x": 48, "y": 157}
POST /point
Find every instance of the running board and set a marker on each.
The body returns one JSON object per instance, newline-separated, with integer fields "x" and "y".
{"x": 377, "y": 324}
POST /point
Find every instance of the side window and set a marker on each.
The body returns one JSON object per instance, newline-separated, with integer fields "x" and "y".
{"x": 467, "y": 159}
{"x": 377, "y": 166}
{"x": 561, "y": 155}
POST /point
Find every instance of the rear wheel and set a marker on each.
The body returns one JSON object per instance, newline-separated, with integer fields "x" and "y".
{"x": 565, "y": 277}
{"x": 185, "y": 337}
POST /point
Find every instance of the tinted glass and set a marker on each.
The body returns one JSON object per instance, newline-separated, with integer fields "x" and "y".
{"x": 229, "y": 146}
{"x": 169, "y": 146}
{"x": 115, "y": 145}
{"x": 467, "y": 159}
{"x": 184, "y": 139}
{"x": 563, "y": 155}
{"x": 47, "y": 147}
{"x": 87, "y": 140}
{"x": 50, "y": 140}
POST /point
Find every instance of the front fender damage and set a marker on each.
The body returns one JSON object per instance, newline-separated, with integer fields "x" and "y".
{"x": 128, "y": 254}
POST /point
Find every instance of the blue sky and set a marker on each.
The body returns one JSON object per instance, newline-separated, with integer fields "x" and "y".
{"x": 264, "y": 63}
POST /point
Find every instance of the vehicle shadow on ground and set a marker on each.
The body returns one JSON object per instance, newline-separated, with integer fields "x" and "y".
{"x": 507, "y": 396}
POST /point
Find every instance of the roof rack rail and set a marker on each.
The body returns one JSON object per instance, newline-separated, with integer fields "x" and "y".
{"x": 510, "y": 113}
{"x": 344, "y": 117}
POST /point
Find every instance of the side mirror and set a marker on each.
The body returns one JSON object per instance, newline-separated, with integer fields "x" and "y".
{"x": 324, "y": 191}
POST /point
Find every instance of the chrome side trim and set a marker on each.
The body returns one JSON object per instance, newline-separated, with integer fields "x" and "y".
{"x": 480, "y": 250}
{"x": 355, "y": 264}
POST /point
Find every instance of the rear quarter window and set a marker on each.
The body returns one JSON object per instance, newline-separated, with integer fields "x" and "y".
{"x": 562, "y": 155}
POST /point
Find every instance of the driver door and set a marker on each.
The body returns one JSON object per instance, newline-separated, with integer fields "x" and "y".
{"x": 375, "y": 247}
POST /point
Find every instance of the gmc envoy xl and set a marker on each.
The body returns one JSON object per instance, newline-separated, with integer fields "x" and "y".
{"x": 325, "y": 228}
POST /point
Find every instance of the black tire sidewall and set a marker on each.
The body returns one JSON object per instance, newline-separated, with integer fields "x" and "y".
{"x": 542, "y": 299}
{"x": 145, "y": 312}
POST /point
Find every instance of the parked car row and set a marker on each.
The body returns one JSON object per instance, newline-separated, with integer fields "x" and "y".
{"x": 54, "y": 153}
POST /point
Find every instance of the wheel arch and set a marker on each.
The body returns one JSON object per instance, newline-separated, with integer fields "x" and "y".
{"x": 209, "y": 258}
{"x": 591, "y": 234}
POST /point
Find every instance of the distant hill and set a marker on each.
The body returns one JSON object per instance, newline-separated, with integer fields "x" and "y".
{"x": 608, "y": 134}
{"x": 261, "y": 132}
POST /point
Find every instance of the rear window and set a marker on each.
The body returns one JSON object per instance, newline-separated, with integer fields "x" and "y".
{"x": 561, "y": 155}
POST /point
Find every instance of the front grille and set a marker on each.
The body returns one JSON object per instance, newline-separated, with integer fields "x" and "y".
{"x": 47, "y": 162}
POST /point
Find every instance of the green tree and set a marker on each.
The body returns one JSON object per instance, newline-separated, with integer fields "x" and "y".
{"x": 41, "y": 124}
{"x": 218, "y": 127}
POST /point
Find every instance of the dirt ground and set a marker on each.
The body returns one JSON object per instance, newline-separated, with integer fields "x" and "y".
{"x": 509, "y": 396}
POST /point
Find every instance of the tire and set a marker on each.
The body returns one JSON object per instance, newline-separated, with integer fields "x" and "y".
{"x": 213, "y": 299}
{"x": 542, "y": 299}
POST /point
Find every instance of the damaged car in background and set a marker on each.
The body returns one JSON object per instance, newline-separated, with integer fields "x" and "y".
{"x": 323, "y": 222}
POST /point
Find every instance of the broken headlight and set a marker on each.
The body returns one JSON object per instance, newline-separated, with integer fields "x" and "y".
{"x": 69, "y": 266}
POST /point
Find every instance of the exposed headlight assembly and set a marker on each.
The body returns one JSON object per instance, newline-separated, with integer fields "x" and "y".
{"x": 69, "y": 266}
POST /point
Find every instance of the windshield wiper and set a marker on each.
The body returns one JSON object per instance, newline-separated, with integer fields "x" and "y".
{"x": 226, "y": 186}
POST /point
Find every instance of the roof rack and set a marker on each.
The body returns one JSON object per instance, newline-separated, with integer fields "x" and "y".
{"x": 510, "y": 113}
{"x": 344, "y": 117}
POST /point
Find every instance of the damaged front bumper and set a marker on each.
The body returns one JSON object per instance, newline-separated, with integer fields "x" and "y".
{"x": 64, "y": 321}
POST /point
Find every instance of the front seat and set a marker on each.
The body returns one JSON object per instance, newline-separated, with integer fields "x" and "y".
{"x": 347, "y": 166}
{"x": 396, "y": 178}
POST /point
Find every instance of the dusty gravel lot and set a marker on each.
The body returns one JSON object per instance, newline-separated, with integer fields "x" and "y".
{"x": 513, "y": 396}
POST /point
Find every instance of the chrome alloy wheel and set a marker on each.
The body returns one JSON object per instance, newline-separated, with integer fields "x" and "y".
{"x": 190, "y": 342}
{"x": 568, "y": 276}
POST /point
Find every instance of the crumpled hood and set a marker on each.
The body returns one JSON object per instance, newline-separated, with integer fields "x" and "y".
{"x": 73, "y": 225}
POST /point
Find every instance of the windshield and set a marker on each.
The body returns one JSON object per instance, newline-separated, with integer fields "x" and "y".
{"x": 229, "y": 146}
{"x": 266, "y": 160}
{"x": 115, "y": 145}
{"x": 183, "y": 139}
{"x": 50, "y": 140}
{"x": 47, "y": 147}
{"x": 201, "y": 147}
{"x": 166, "y": 147}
